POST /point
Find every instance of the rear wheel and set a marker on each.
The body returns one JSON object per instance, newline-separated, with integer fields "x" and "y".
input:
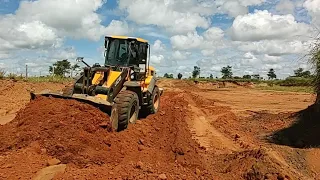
{"x": 125, "y": 110}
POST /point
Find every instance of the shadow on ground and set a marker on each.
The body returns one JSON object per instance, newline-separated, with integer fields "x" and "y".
{"x": 303, "y": 133}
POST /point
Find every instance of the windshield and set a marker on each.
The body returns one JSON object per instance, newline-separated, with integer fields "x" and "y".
{"x": 117, "y": 52}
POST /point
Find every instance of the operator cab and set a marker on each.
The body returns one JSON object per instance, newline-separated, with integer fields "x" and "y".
{"x": 122, "y": 51}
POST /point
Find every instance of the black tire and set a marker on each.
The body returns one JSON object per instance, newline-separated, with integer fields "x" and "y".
{"x": 154, "y": 102}
{"x": 125, "y": 110}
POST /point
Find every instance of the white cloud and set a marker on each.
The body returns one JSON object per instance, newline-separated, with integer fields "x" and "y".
{"x": 208, "y": 52}
{"x": 249, "y": 55}
{"x": 164, "y": 14}
{"x": 262, "y": 25}
{"x": 26, "y": 35}
{"x": 214, "y": 33}
{"x": 249, "y": 59}
{"x": 272, "y": 66}
{"x": 285, "y": 7}
{"x": 156, "y": 59}
{"x": 158, "y": 46}
{"x": 116, "y": 28}
{"x": 45, "y": 23}
{"x": 211, "y": 39}
{"x": 75, "y": 18}
{"x": 313, "y": 7}
{"x": 234, "y": 8}
{"x": 275, "y": 47}
{"x": 251, "y": 2}
{"x": 4, "y": 55}
{"x": 177, "y": 55}
{"x": 272, "y": 59}
{"x": 190, "y": 41}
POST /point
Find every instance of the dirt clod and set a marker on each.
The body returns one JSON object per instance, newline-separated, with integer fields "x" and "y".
{"x": 50, "y": 172}
{"x": 139, "y": 165}
{"x": 198, "y": 171}
{"x": 162, "y": 176}
{"x": 53, "y": 161}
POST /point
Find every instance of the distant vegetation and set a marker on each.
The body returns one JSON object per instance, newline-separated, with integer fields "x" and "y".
{"x": 61, "y": 71}
{"x": 301, "y": 81}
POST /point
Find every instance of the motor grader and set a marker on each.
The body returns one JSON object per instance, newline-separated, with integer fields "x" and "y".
{"x": 125, "y": 84}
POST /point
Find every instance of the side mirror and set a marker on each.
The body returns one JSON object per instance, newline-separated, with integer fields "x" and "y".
{"x": 79, "y": 59}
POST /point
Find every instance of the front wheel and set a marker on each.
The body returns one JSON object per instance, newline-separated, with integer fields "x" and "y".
{"x": 154, "y": 103}
{"x": 125, "y": 110}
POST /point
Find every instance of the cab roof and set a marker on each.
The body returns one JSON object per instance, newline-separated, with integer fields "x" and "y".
{"x": 127, "y": 37}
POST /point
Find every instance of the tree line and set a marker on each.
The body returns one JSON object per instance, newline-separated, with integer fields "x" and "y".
{"x": 64, "y": 67}
{"x": 227, "y": 73}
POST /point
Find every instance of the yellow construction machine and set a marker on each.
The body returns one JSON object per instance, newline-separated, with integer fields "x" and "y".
{"x": 125, "y": 84}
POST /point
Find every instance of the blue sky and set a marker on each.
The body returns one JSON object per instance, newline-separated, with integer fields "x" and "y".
{"x": 250, "y": 35}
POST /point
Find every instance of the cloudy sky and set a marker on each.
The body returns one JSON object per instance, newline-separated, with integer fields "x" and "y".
{"x": 252, "y": 36}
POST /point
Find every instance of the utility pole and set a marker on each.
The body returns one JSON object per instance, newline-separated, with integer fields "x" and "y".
{"x": 26, "y": 71}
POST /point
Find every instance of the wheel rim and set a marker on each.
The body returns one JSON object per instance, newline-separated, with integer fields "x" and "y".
{"x": 156, "y": 101}
{"x": 133, "y": 113}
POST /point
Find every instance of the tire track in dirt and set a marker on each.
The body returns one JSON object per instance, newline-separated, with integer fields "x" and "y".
{"x": 206, "y": 135}
{"x": 223, "y": 146}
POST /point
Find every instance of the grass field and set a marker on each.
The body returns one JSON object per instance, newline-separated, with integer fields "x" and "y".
{"x": 306, "y": 89}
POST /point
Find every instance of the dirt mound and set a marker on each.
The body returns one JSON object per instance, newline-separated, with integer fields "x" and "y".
{"x": 303, "y": 133}
{"x": 159, "y": 144}
{"x": 70, "y": 131}
{"x": 66, "y": 129}
{"x": 249, "y": 164}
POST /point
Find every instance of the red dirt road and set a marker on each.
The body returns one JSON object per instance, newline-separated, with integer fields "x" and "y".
{"x": 199, "y": 133}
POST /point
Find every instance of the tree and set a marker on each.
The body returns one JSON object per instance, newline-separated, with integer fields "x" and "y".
{"x": 166, "y": 75}
{"x": 75, "y": 67}
{"x": 306, "y": 74}
{"x": 211, "y": 76}
{"x": 226, "y": 72}
{"x": 256, "y": 76}
{"x": 247, "y": 77}
{"x": 271, "y": 74}
{"x": 60, "y": 68}
{"x": 196, "y": 71}
{"x": 315, "y": 61}
{"x": 179, "y": 76}
{"x": 298, "y": 72}
{"x": 301, "y": 73}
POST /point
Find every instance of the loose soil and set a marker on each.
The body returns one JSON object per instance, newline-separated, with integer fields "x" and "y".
{"x": 68, "y": 130}
{"x": 203, "y": 131}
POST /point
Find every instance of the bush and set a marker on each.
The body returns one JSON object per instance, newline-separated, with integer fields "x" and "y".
{"x": 12, "y": 76}
{"x": 2, "y": 73}
{"x": 295, "y": 81}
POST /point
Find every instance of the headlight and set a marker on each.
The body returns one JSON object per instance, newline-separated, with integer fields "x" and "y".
{"x": 132, "y": 76}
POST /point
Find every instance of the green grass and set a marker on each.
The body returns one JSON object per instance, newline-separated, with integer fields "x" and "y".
{"x": 2, "y": 74}
{"x": 305, "y": 89}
